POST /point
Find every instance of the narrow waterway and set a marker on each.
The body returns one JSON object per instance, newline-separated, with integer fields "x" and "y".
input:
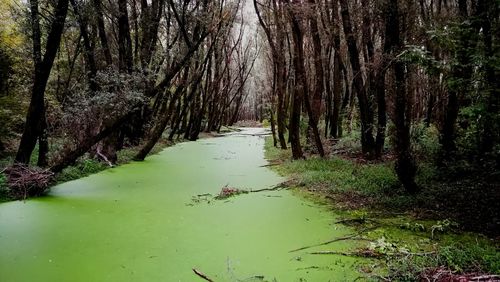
{"x": 138, "y": 222}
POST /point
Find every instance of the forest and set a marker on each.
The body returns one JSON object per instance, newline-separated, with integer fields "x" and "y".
{"x": 383, "y": 112}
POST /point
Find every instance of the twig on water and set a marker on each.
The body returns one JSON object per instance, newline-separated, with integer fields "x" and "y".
{"x": 203, "y": 276}
{"x": 349, "y": 237}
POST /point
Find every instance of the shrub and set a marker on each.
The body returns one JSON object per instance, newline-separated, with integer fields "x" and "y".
{"x": 425, "y": 140}
{"x": 4, "y": 188}
{"x": 81, "y": 169}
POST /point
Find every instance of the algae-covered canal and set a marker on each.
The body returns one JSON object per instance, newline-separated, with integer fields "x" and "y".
{"x": 137, "y": 222}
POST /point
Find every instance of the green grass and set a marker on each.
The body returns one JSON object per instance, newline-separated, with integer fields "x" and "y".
{"x": 459, "y": 254}
{"x": 82, "y": 168}
{"x": 335, "y": 174}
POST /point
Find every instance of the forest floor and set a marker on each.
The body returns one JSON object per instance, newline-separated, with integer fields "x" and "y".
{"x": 449, "y": 231}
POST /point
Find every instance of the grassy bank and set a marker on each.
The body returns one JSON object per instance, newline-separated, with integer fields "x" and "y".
{"x": 412, "y": 237}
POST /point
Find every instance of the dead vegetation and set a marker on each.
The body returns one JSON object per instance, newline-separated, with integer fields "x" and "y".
{"x": 24, "y": 181}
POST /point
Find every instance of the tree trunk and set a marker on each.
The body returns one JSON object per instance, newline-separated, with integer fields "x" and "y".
{"x": 163, "y": 121}
{"x": 33, "y": 126}
{"x": 102, "y": 32}
{"x": 89, "y": 50}
{"x": 85, "y": 146}
{"x": 365, "y": 109}
{"x": 299, "y": 89}
{"x": 405, "y": 163}
{"x": 277, "y": 51}
{"x": 318, "y": 64}
{"x": 124, "y": 40}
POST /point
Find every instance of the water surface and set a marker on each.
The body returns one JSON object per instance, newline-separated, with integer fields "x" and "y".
{"x": 137, "y": 222}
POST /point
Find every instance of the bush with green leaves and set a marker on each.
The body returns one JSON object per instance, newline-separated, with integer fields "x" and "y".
{"x": 81, "y": 169}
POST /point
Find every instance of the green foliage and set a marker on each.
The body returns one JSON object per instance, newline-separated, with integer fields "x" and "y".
{"x": 351, "y": 141}
{"x": 418, "y": 55}
{"x": 382, "y": 246}
{"x": 425, "y": 140}
{"x": 81, "y": 169}
{"x": 266, "y": 123}
{"x": 443, "y": 226}
{"x": 4, "y": 188}
{"x": 14, "y": 65}
{"x": 418, "y": 227}
{"x": 11, "y": 115}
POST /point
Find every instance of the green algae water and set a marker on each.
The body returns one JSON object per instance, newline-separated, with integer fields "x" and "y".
{"x": 138, "y": 222}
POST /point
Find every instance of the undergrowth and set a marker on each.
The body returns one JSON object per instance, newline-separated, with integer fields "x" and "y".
{"x": 4, "y": 189}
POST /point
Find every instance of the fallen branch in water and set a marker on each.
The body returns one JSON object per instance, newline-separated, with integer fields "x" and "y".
{"x": 368, "y": 253}
{"x": 271, "y": 164}
{"x": 228, "y": 192}
{"x": 360, "y": 253}
{"x": 281, "y": 186}
{"x": 349, "y": 237}
{"x": 203, "y": 276}
{"x": 350, "y": 221}
{"x": 325, "y": 243}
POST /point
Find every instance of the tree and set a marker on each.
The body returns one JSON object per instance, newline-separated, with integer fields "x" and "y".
{"x": 405, "y": 163}
{"x": 35, "y": 125}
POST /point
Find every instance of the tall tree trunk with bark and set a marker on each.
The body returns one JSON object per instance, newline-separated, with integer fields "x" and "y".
{"x": 301, "y": 93}
{"x": 336, "y": 121}
{"x": 89, "y": 49}
{"x": 35, "y": 120}
{"x": 405, "y": 163}
{"x": 102, "y": 32}
{"x": 298, "y": 92}
{"x": 365, "y": 109}
{"x": 277, "y": 50}
{"x": 124, "y": 40}
{"x": 319, "y": 82}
